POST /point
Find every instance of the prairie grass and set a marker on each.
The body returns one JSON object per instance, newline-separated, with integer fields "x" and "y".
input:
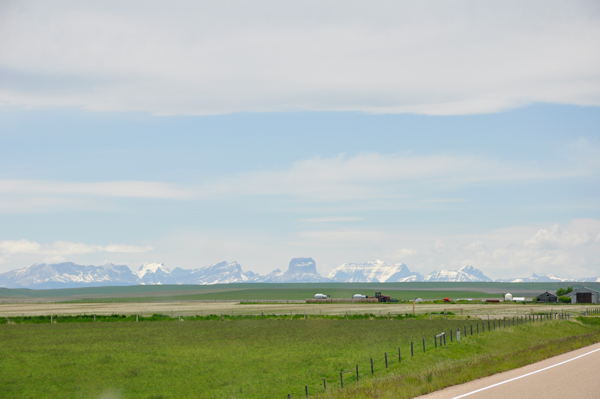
{"x": 248, "y": 357}
{"x": 472, "y": 358}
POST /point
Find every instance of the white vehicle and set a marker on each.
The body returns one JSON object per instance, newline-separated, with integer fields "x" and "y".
{"x": 321, "y": 296}
{"x": 358, "y": 296}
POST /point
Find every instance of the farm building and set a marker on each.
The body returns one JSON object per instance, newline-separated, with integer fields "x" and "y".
{"x": 547, "y": 297}
{"x": 585, "y": 295}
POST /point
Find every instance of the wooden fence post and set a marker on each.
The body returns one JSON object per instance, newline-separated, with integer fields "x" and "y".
{"x": 51, "y": 319}
{"x": 412, "y": 352}
{"x": 325, "y": 384}
{"x": 451, "y": 339}
{"x": 386, "y": 362}
{"x": 372, "y": 372}
{"x": 341, "y": 379}
{"x": 306, "y": 390}
{"x": 94, "y": 318}
{"x": 435, "y": 340}
{"x": 423, "y": 344}
{"x": 399, "y": 356}
{"x": 357, "y": 373}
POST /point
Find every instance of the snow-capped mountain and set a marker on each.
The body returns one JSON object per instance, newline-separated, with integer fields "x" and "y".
{"x": 591, "y": 279}
{"x": 373, "y": 271}
{"x": 63, "y": 275}
{"x": 220, "y": 273}
{"x": 153, "y": 273}
{"x": 465, "y": 273}
{"x": 550, "y": 278}
{"x": 68, "y": 275}
{"x": 300, "y": 270}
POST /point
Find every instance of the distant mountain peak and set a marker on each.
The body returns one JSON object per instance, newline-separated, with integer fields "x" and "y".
{"x": 465, "y": 273}
{"x": 372, "y": 271}
{"x": 302, "y": 265}
{"x": 69, "y": 274}
{"x": 151, "y": 268}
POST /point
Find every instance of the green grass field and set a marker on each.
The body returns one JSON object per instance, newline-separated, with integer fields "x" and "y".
{"x": 251, "y": 291}
{"x": 249, "y": 358}
{"x": 294, "y": 294}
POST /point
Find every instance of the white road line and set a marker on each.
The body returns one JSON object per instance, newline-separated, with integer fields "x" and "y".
{"x": 526, "y": 375}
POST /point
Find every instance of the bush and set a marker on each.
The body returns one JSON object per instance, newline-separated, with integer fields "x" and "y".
{"x": 564, "y": 291}
{"x": 564, "y": 299}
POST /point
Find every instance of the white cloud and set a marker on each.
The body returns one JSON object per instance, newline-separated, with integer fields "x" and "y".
{"x": 501, "y": 253}
{"x": 217, "y": 57}
{"x": 19, "y": 247}
{"x": 554, "y": 238}
{"x": 368, "y": 176}
{"x": 375, "y": 176}
{"x": 399, "y": 179}
{"x": 329, "y": 219}
{"x": 475, "y": 246}
{"x": 131, "y": 189}
{"x": 406, "y": 252}
{"x": 439, "y": 247}
{"x": 64, "y": 248}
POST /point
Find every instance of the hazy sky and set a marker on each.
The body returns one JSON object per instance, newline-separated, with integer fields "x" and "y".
{"x": 437, "y": 134}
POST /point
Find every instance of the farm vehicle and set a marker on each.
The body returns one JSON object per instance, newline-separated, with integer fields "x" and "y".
{"x": 384, "y": 298}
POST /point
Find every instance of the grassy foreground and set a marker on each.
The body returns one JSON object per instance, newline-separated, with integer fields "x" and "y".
{"x": 296, "y": 291}
{"x": 249, "y": 358}
{"x": 476, "y": 357}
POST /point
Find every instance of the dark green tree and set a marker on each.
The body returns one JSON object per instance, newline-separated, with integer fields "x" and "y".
{"x": 563, "y": 291}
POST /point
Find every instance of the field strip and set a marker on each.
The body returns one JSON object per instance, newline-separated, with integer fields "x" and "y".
{"x": 525, "y": 375}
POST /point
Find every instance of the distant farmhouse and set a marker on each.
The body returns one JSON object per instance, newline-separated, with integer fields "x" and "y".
{"x": 584, "y": 295}
{"x": 547, "y": 297}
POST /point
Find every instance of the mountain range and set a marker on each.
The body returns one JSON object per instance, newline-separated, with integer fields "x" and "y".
{"x": 300, "y": 270}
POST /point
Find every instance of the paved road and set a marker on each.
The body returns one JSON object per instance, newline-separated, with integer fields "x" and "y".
{"x": 573, "y": 374}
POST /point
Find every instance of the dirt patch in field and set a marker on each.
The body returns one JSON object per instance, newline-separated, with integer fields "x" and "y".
{"x": 206, "y": 308}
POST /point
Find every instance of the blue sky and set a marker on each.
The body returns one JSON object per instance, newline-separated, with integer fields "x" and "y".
{"x": 197, "y": 133}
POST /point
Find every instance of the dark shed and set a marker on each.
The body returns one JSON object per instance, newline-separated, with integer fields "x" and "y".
{"x": 547, "y": 297}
